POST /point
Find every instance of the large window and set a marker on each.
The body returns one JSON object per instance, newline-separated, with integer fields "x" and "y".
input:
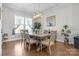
{"x": 23, "y": 23}
{"x": 28, "y": 24}
{"x": 19, "y": 23}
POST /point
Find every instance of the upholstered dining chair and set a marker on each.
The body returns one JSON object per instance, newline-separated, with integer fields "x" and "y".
{"x": 29, "y": 41}
{"x": 45, "y": 31}
{"x": 22, "y": 37}
{"x": 49, "y": 43}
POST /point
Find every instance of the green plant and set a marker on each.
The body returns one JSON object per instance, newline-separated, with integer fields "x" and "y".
{"x": 36, "y": 26}
{"x": 66, "y": 32}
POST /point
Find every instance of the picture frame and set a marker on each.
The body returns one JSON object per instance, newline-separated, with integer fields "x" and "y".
{"x": 51, "y": 21}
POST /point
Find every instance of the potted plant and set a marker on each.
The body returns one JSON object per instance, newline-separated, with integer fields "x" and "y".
{"x": 36, "y": 27}
{"x": 66, "y": 33}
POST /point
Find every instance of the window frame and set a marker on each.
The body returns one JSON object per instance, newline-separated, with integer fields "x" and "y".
{"x": 24, "y": 24}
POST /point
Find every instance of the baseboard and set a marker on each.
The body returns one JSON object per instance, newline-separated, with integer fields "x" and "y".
{"x": 59, "y": 40}
{"x": 11, "y": 40}
{"x": 20, "y": 39}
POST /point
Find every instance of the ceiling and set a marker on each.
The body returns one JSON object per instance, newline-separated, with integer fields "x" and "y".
{"x": 31, "y": 7}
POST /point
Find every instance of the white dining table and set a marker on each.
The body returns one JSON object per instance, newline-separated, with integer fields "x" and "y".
{"x": 40, "y": 38}
{"x": 40, "y": 35}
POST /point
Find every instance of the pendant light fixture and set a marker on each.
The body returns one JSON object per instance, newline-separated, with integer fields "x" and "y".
{"x": 37, "y": 12}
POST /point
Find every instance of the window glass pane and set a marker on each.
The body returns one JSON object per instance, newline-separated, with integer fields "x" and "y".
{"x": 28, "y": 24}
{"x": 19, "y": 23}
{"x": 28, "y": 21}
{"x": 17, "y": 30}
{"x": 19, "y": 20}
{"x": 29, "y": 29}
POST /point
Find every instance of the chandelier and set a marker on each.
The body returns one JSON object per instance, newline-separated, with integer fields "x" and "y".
{"x": 37, "y": 13}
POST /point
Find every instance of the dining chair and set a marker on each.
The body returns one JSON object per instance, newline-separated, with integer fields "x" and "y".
{"x": 45, "y": 31}
{"x": 22, "y": 37}
{"x": 49, "y": 43}
{"x": 55, "y": 33}
{"x": 29, "y": 41}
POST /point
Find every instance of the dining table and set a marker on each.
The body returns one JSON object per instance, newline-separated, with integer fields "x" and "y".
{"x": 39, "y": 38}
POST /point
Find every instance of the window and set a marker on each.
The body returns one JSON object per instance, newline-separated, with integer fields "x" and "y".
{"x": 28, "y": 24}
{"x": 19, "y": 23}
{"x": 23, "y": 23}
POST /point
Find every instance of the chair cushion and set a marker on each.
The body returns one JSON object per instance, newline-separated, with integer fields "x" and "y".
{"x": 46, "y": 42}
{"x": 31, "y": 41}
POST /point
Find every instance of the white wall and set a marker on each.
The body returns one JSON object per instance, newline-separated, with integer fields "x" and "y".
{"x": 63, "y": 16}
{"x": 0, "y": 39}
{"x": 66, "y": 14}
{"x": 8, "y": 21}
{"x": 0, "y": 32}
{"x": 75, "y": 18}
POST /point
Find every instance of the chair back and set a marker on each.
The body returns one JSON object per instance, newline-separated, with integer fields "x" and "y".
{"x": 53, "y": 36}
{"x": 45, "y": 32}
{"x": 25, "y": 31}
{"x": 37, "y": 31}
{"x": 22, "y": 33}
{"x": 27, "y": 37}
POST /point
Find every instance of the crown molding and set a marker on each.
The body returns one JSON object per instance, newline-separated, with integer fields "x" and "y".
{"x": 13, "y": 10}
{"x": 57, "y": 6}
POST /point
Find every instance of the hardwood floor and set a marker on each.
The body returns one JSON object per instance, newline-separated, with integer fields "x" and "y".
{"x": 14, "y": 48}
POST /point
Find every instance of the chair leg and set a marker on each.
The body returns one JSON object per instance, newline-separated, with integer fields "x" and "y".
{"x": 49, "y": 50}
{"x": 24, "y": 44}
{"x": 21, "y": 43}
{"x": 54, "y": 46}
{"x": 41, "y": 46}
{"x": 29, "y": 47}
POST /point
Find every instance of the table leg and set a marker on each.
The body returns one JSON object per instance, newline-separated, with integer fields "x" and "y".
{"x": 39, "y": 45}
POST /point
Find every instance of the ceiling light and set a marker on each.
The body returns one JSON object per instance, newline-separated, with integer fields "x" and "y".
{"x": 37, "y": 14}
